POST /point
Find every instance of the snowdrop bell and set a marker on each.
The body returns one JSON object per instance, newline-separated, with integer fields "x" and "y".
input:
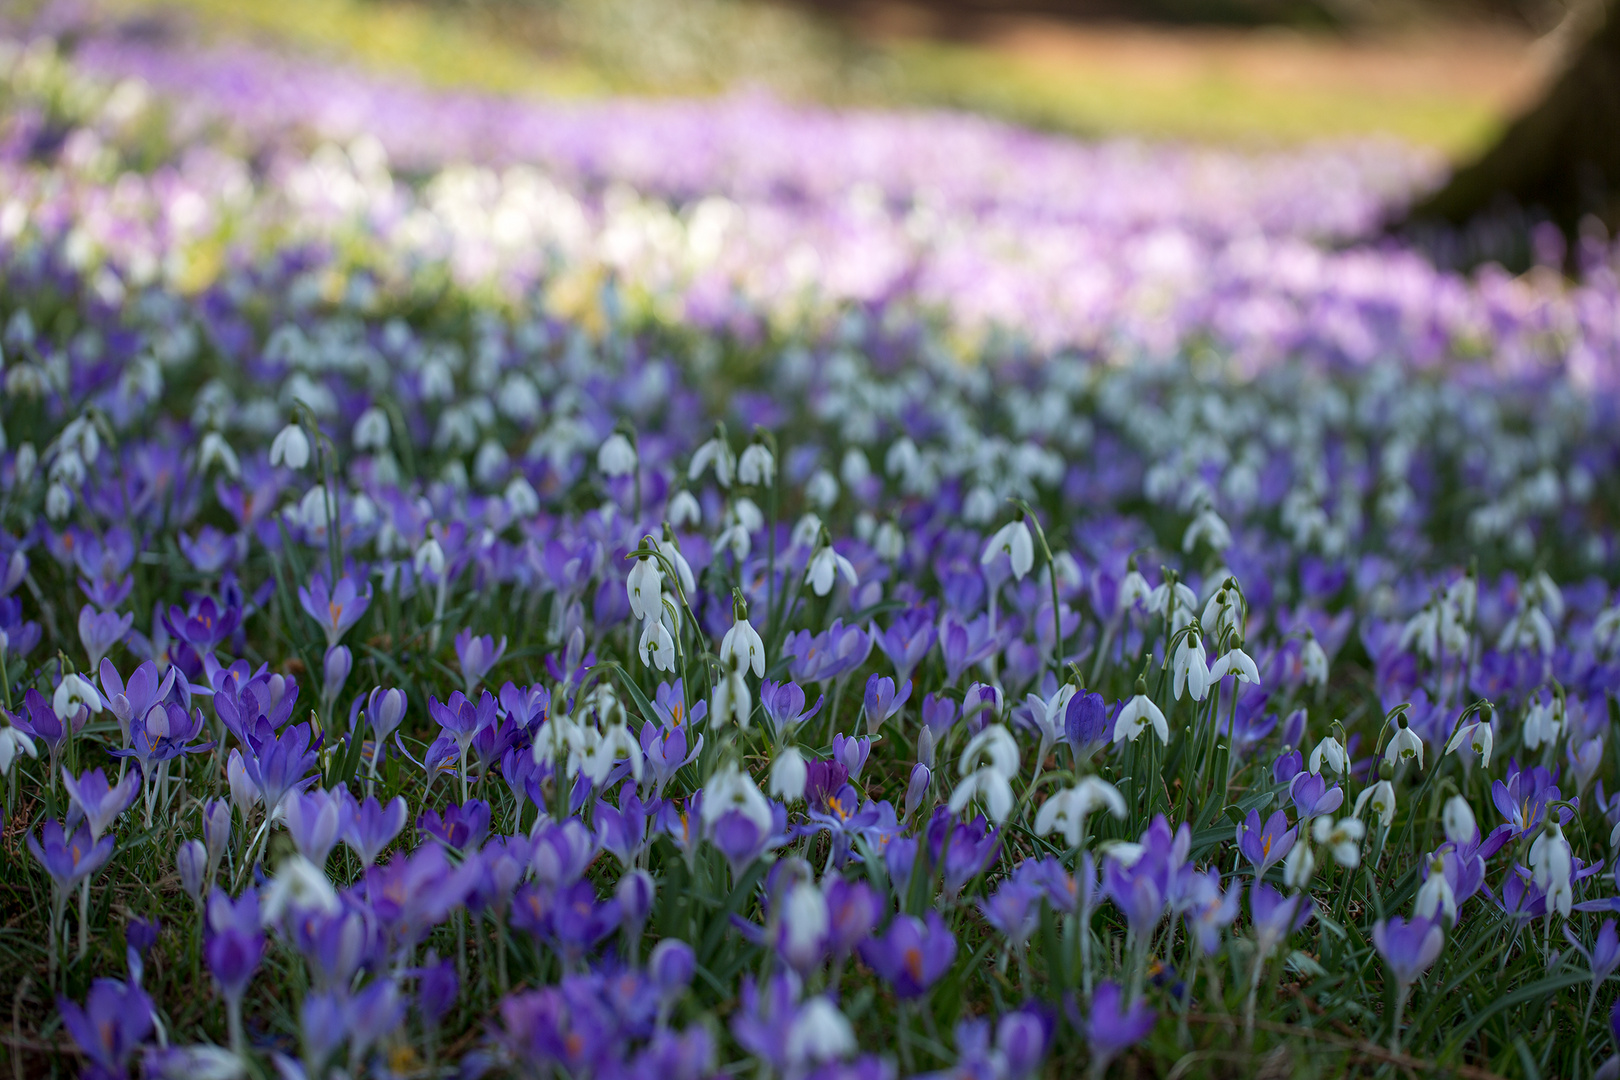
{"x": 616, "y": 456}
{"x": 1013, "y": 540}
{"x": 757, "y": 466}
{"x": 290, "y": 447}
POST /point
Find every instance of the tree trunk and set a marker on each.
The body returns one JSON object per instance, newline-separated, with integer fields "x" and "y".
{"x": 1561, "y": 158}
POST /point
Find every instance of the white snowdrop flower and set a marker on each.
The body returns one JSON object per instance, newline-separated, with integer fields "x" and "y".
{"x": 290, "y": 447}
{"x": 734, "y": 538}
{"x": 1190, "y": 671}
{"x": 214, "y": 450}
{"x": 657, "y": 646}
{"x": 902, "y": 458}
{"x": 789, "y": 772}
{"x": 757, "y": 466}
{"x": 854, "y": 468}
{"x": 299, "y": 886}
{"x": 713, "y": 453}
{"x": 1133, "y": 590}
{"x": 371, "y": 431}
{"x": 73, "y": 694}
{"x": 990, "y": 788}
{"x": 521, "y": 500}
{"x": 806, "y": 531}
{"x": 826, "y": 565}
{"x": 1068, "y": 571}
{"x": 58, "y": 501}
{"x": 1476, "y": 736}
{"x": 1139, "y": 714}
{"x": 1313, "y": 662}
{"x": 731, "y": 698}
{"x": 1543, "y": 723}
{"x": 13, "y": 742}
{"x": 1330, "y": 752}
{"x": 1458, "y": 820}
{"x": 1236, "y": 663}
{"x": 645, "y": 586}
{"x": 616, "y": 456}
{"x": 1013, "y": 540}
{"x": 1404, "y": 745}
{"x": 889, "y": 542}
{"x": 732, "y": 789}
{"x": 979, "y": 507}
{"x": 993, "y": 748}
{"x": 683, "y": 569}
{"x": 1435, "y": 898}
{"x": 1176, "y": 603}
{"x": 429, "y": 559}
{"x": 1223, "y": 614}
{"x": 805, "y": 921}
{"x": 819, "y": 1033}
{"x": 1299, "y": 866}
{"x": 1606, "y": 629}
{"x": 1342, "y": 838}
{"x": 1066, "y": 811}
{"x": 1551, "y": 866}
{"x": 684, "y": 510}
{"x": 1422, "y": 632}
{"x": 746, "y": 512}
{"x": 1208, "y": 527}
{"x": 518, "y": 399}
{"x": 605, "y": 750}
{"x": 742, "y": 648}
{"x": 821, "y": 490}
{"x": 1381, "y": 799}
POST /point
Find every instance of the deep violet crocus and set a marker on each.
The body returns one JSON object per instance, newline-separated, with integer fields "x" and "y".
{"x": 1112, "y": 1026}
{"x": 368, "y": 827}
{"x": 911, "y": 954}
{"x": 1409, "y": 948}
{"x": 334, "y": 610}
{"x": 115, "y": 1020}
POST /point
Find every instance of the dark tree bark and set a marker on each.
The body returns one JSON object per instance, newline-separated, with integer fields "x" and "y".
{"x": 1561, "y": 158}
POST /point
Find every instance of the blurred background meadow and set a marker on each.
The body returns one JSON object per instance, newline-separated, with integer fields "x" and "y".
{"x": 1439, "y": 73}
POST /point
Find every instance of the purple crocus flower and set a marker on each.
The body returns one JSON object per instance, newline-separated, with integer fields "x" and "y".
{"x": 39, "y": 719}
{"x": 235, "y": 943}
{"x": 460, "y": 718}
{"x": 69, "y": 857}
{"x": 1085, "y": 723}
{"x": 764, "y": 1015}
{"x": 369, "y": 827}
{"x": 115, "y": 1020}
{"x": 1313, "y": 797}
{"x": 1265, "y": 845}
{"x": 527, "y": 707}
{"x": 385, "y": 708}
{"x": 822, "y": 657}
{"x": 206, "y": 625}
{"x": 965, "y": 644}
{"x": 334, "y": 610}
{"x": 437, "y": 989}
{"x": 1014, "y": 910}
{"x": 910, "y": 638}
{"x": 852, "y": 753}
{"x": 461, "y": 827}
{"x": 1523, "y": 798}
{"x": 784, "y": 704}
{"x": 280, "y": 764}
{"x": 1111, "y": 1027}
{"x": 96, "y": 802}
{"x": 852, "y": 910}
{"x": 477, "y": 655}
{"x": 1409, "y": 948}
{"x": 1276, "y": 916}
{"x": 972, "y": 849}
{"x": 882, "y": 701}
{"x": 911, "y": 954}
{"x": 314, "y": 819}
{"x": 938, "y": 714}
{"x": 99, "y": 632}
{"x": 1603, "y": 957}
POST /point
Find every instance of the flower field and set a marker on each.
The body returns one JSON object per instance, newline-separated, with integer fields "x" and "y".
{"x": 680, "y": 588}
